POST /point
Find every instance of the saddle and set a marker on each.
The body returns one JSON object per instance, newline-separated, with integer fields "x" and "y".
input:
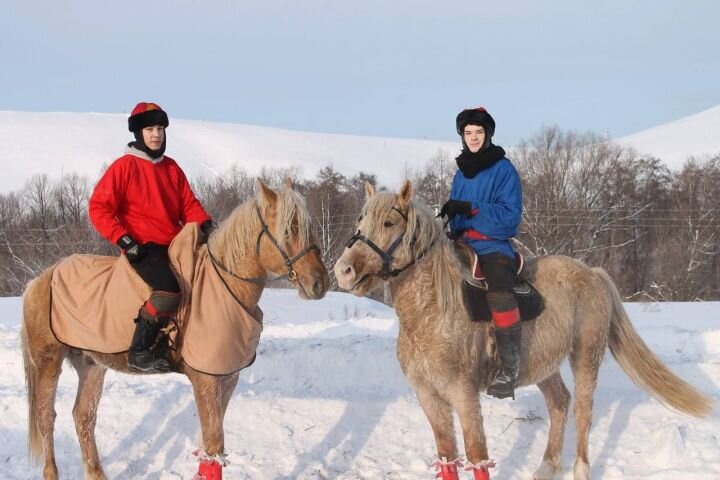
{"x": 475, "y": 287}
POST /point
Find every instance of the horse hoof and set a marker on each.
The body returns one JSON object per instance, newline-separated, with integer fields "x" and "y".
{"x": 581, "y": 470}
{"x": 546, "y": 471}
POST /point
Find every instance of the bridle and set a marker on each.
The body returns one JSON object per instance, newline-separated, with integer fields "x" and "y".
{"x": 387, "y": 255}
{"x": 289, "y": 261}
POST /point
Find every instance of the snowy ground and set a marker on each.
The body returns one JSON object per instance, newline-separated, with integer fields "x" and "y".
{"x": 326, "y": 400}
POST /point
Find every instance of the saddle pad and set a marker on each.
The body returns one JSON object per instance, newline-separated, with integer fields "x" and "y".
{"x": 94, "y": 300}
{"x": 477, "y": 271}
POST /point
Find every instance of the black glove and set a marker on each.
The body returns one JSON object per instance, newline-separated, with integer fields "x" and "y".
{"x": 133, "y": 250}
{"x": 455, "y": 207}
{"x": 452, "y": 236}
{"x": 206, "y": 228}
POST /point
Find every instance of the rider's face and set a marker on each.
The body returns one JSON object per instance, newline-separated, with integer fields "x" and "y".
{"x": 474, "y": 136}
{"x": 154, "y": 136}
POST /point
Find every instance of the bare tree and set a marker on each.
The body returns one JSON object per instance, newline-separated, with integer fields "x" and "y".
{"x": 432, "y": 182}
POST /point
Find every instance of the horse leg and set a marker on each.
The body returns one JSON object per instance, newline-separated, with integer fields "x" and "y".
{"x": 439, "y": 413}
{"x": 585, "y": 362}
{"x": 228, "y": 385}
{"x": 467, "y": 405}
{"x": 91, "y": 378}
{"x": 209, "y": 400}
{"x": 557, "y": 399}
{"x": 48, "y": 367}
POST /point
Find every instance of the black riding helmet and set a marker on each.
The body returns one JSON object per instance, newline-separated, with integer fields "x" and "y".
{"x": 476, "y": 116}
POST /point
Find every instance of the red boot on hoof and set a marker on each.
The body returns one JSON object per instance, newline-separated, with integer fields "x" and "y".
{"x": 209, "y": 470}
{"x": 446, "y": 470}
{"x": 481, "y": 471}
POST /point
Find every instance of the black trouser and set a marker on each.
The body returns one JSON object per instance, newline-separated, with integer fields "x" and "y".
{"x": 154, "y": 269}
{"x": 499, "y": 273}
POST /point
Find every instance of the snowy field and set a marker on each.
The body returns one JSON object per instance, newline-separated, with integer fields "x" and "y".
{"x": 326, "y": 400}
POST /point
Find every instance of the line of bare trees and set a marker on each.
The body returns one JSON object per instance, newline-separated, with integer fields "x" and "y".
{"x": 657, "y": 232}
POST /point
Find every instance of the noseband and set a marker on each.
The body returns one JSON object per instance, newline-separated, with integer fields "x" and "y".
{"x": 387, "y": 256}
{"x": 289, "y": 261}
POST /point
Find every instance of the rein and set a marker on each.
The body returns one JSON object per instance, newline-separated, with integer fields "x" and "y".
{"x": 289, "y": 261}
{"x": 387, "y": 256}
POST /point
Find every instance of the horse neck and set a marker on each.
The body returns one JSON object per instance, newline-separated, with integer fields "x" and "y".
{"x": 248, "y": 293}
{"x": 239, "y": 256}
{"x": 422, "y": 317}
{"x": 415, "y": 295}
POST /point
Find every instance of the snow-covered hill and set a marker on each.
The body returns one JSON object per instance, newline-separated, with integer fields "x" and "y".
{"x": 696, "y": 135}
{"x": 57, "y": 143}
{"x": 326, "y": 400}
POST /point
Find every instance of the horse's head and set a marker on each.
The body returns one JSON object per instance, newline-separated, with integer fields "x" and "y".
{"x": 285, "y": 242}
{"x": 271, "y": 233}
{"x": 392, "y": 233}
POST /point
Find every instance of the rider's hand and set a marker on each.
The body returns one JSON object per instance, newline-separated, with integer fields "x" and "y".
{"x": 133, "y": 250}
{"x": 206, "y": 228}
{"x": 455, "y": 207}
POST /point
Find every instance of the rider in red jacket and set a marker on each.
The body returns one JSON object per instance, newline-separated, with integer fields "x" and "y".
{"x": 140, "y": 204}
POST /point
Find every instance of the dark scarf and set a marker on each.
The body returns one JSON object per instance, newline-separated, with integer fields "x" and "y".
{"x": 139, "y": 143}
{"x": 470, "y": 164}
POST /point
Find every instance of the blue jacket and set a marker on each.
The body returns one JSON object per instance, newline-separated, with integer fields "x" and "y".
{"x": 496, "y": 197}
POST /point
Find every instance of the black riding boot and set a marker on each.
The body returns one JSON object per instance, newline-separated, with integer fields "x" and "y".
{"x": 508, "y": 345}
{"x": 142, "y": 355}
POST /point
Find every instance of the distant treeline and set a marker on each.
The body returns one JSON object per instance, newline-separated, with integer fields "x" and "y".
{"x": 655, "y": 231}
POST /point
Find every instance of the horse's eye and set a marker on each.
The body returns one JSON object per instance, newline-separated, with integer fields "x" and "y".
{"x": 360, "y": 219}
{"x": 388, "y": 224}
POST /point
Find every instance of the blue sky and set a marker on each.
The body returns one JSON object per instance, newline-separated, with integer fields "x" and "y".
{"x": 388, "y": 68}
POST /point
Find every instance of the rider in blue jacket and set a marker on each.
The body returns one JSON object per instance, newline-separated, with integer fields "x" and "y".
{"x": 484, "y": 209}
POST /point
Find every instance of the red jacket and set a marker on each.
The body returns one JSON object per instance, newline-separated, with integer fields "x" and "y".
{"x": 149, "y": 201}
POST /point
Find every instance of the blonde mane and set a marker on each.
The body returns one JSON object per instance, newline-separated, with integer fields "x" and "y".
{"x": 237, "y": 235}
{"x": 430, "y": 244}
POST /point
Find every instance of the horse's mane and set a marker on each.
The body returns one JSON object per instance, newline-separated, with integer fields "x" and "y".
{"x": 425, "y": 238}
{"x": 236, "y": 236}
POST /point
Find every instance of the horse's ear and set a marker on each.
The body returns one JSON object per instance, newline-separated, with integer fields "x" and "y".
{"x": 267, "y": 193}
{"x": 406, "y": 192}
{"x": 369, "y": 190}
{"x": 289, "y": 183}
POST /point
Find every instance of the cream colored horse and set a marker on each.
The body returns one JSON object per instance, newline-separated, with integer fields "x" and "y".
{"x": 269, "y": 233}
{"x": 447, "y": 358}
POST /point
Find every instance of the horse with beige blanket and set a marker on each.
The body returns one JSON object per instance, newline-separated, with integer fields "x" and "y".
{"x": 82, "y": 308}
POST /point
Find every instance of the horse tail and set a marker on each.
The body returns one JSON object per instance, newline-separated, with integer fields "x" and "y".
{"x": 31, "y": 383}
{"x": 643, "y": 366}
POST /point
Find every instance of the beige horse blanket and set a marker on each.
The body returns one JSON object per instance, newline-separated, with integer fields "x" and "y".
{"x": 96, "y": 298}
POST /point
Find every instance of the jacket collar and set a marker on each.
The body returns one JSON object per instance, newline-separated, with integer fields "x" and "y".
{"x": 140, "y": 154}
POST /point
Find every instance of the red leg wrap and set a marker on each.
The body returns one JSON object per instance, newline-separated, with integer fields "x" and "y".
{"x": 506, "y": 319}
{"x": 480, "y": 474}
{"x": 150, "y": 308}
{"x": 209, "y": 470}
{"x": 481, "y": 471}
{"x": 446, "y": 471}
